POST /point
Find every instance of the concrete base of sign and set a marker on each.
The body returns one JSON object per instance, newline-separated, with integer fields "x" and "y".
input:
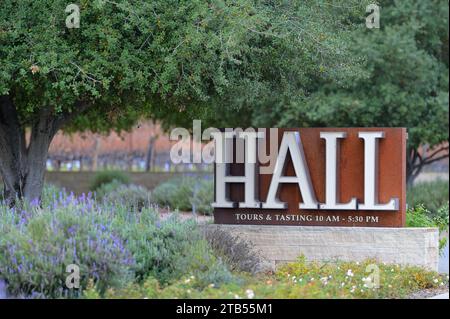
{"x": 280, "y": 244}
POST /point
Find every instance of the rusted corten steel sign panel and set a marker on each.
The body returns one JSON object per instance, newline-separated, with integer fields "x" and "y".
{"x": 318, "y": 176}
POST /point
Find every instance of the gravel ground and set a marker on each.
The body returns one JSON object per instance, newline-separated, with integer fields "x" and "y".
{"x": 200, "y": 218}
{"x": 428, "y": 293}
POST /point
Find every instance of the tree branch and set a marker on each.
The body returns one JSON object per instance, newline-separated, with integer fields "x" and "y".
{"x": 446, "y": 148}
{"x": 437, "y": 159}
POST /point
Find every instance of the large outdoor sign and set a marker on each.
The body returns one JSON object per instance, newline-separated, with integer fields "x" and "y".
{"x": 312, "y": 176}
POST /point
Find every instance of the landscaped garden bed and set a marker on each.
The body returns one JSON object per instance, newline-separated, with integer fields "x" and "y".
{"x": 126, "y": 249}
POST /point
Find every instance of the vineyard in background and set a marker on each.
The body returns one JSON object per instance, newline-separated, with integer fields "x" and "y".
{"x": 146, "y": 148}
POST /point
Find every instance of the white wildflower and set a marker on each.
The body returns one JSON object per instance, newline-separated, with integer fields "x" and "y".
{"x": 250, "y": 294}
{"x": 324, "y": 280}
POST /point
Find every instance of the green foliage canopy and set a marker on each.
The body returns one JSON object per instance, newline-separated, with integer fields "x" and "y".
{"x": 171, "y": 59}
{"x": 403, "y": 83}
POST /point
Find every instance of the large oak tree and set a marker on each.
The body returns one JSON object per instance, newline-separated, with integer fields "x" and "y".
{"x": 166, "y": 59}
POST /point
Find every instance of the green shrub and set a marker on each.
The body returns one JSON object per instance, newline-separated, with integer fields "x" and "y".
{"x": 419, "y": 216}
{"x": 202, "y": 265}
{"x": 433, "y": 195}
{"x": 188, "y": 193}
{"x": 157, "y": 245}
{"x": 106, "y": 189}
{"x": 175, "y": 193}
{"x": 442, "y": 222}
{"x": 442, "y": 217}
{"x": 203, "y": 196}
{"x": 106, "y": 177}
{"x": 236, "y": 252}
{"x": 167, "y": 249}
{"x": 133, "y": 196}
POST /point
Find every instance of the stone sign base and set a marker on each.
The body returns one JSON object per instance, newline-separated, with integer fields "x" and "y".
{"x": 280, "y": 244}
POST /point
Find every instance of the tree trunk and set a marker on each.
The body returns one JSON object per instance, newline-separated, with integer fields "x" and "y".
{"x": 12, "y": 146}
{"x": 96, "y": 150}
{"x": 410, "y": 179}
{"x": 22, "y": 166}
{"x": 150, "y": 153}
{"x": 41, "y": 136}
{"x": 412, "y": 167}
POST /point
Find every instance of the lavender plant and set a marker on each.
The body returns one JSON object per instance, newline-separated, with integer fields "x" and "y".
{"x": 37, "y": 244}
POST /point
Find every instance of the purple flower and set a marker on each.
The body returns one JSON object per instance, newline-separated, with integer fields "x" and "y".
{"x": 71, "y": 230}
{"x": 34, "y": 202}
